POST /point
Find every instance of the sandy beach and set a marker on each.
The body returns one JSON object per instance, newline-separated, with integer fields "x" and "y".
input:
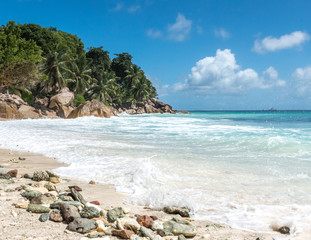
{"x": 17, "y": 223}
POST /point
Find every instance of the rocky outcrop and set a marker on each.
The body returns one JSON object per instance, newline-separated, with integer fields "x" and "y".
{"x": 151, "y": 106}
{"x": 61, "y": 102}
{"x": 93, "y": 108}
{"x": 13, "y": 107}
{"x": 63, "y": 98}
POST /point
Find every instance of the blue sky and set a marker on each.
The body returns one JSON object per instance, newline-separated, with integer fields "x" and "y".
{"x": 213, "y": 55}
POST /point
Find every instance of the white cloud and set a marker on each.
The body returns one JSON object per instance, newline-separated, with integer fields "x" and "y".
{"x": 222, "y": 33}
{"x": 271, "y": 44}
{"x": 153, "y": 33}
{"x": 180, "y": 29}
{"x": 221, "y": 74}
{"x": 302, "y": 76}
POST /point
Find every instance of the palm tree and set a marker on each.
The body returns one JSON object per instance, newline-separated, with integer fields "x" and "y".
{"x": 141, "y": 90}
{"x": 55, "y": 67}
{"x": 106, "y": 88}
{"x": 80, "y": 74}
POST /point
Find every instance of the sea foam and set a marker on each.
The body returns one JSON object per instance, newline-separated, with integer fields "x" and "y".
{"x": 244, "y": 171}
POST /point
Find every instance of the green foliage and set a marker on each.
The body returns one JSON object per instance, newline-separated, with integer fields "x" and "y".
{"x": 55, "y": 68}
{"x": 79, "y": 99}
{"x": 79, "y": 74}
{"x": 50, "y": 39}
{"x": 28, "y": 97}
{"x": 18, "y": 57}
{"x": 38, "y": 61}
{"x": 99, "y": 61}
{"x": 122, "y": 64}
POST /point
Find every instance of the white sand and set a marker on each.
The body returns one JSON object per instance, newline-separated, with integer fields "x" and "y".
{"x": 27, "y": 226}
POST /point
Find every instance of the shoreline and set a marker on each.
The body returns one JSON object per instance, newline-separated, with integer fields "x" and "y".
{"x": 105, "y": 194}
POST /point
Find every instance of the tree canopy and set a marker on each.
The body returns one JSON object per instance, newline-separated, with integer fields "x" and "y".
{"x": 36, "y": 60}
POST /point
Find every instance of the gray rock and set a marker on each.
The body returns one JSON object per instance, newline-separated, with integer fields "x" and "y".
{"x": 96, "y": 235}
{"x": 5, "y": 175}
{"x": 31, "y": 194}
{"x": 164, "y": 233}
{"x": 52, "y": 174}
{"x": 44, "y": 199}
{"x": 156, "y": 225}
{"x": 90, "y": 212}
{"x": 29, "y": 176}
{"x": 181, "y": 237}
{"x": 284, "y": 230}
{"x": 56, "y": 205}
{"x": 41, "y": 176}
{"x": 81, "y": 225}
{"x": 145, "y": 232}
{"x": 36, "y": 208}
{"x": 44, "y": 217}
{"x": 184, "y": 211}
{"x": 69, "y": 212}
{"x": 77, "y": 196}
{"x": 65, "y": 197}
{"x": 179, "y": 226}
{"x": 114, "y": 214}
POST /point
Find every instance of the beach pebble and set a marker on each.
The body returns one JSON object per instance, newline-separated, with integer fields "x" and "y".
{"x": 36, "y": 208}
{"x": 81, "y": 225}
{"x": 136, "y": 237}
{"x": 69, "y": 212}
{"x": 114, "y": 214}
{"x": 128, "y": 223}
{"x": 43, "y": 199}
{"x": 21, "y": 158}
{"x": 126, "y": 210}
{"x": 284, "y": 230}
{"x": 156, "y": 225}
{"x": 44, "y": 217}
{"x": 179, "y": 226}
{"x": 146, "y": 233}
{"x": 124, "y": 234}
{"x": 92, "y": 182}
{"x": 20, "y": 205}
{"x": 41, "y": 176}
{"x": 184, "y": 211}
{"x": 145, "y": 221}
{"x": 55, "y": 217}
{"x": 65, "y": 197}
{"x": 96, "y": 235}
{"x": 31, "y": 194}
{"x": 13, "y": 173}
{"x": 95, "y": 203}
{"x": 163, "y": 232}
{"x": 28, "y": 176}
{"x": 90, "y": 212}
{"x": 77, "y": 188}
{"x": 77, "y": 196}
{"x": 52, "y": 174}
{"x": 181, "y": 237}
{"x": 54, "y": 180}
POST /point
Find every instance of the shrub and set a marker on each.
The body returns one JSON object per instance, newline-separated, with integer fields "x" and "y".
{"x": 79, "y": 99}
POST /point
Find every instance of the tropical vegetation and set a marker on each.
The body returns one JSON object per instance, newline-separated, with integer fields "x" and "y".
{"x": 37, "y": 61}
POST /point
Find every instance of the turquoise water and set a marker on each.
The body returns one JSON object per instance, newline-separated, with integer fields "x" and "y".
{"x": 247, "y": 169}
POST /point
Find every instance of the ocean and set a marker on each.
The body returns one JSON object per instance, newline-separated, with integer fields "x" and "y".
{"x": 248, "y": 169}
